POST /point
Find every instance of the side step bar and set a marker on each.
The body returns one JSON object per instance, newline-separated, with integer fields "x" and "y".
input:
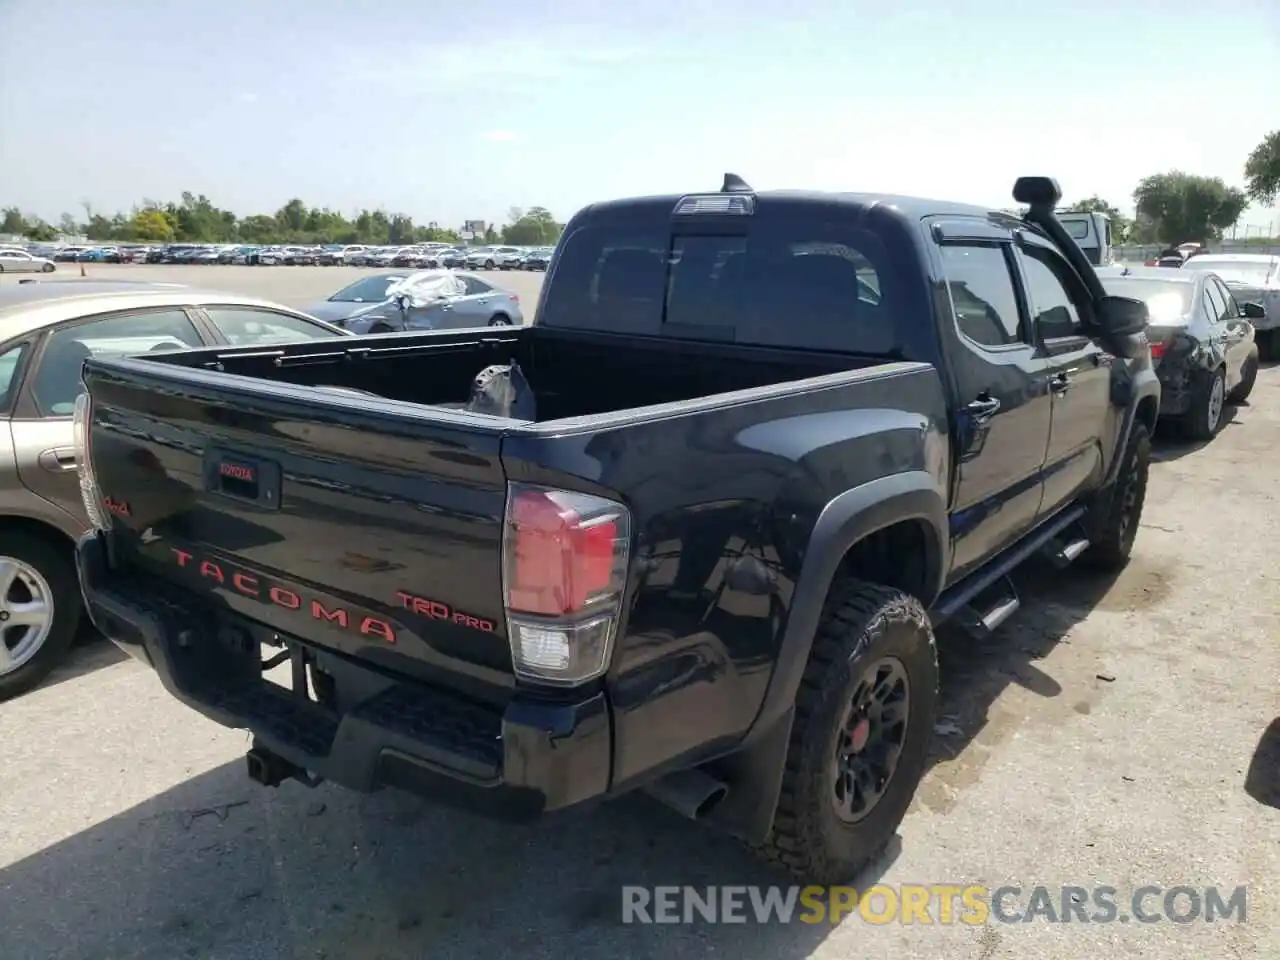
{"x": 1062, "y": 553}
{"x": 987, "y": 598}
{"x": 989, "y": 609}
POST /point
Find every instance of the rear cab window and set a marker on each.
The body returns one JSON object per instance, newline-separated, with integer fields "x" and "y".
{"x": 790, "y": 275}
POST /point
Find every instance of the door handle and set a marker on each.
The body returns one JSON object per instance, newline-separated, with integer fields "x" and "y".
{"x": 58, "y": 460}
{"x": 1060, "y": 384}
{"x": 983, "y": 408}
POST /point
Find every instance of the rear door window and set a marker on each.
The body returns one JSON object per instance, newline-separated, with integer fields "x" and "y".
{"x": 782, "y": 280}
{"x": 57, "y": 380}
{"x": 244, "y": 326}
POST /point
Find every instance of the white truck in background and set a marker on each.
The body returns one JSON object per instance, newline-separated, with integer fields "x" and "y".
{"x": 1092, "y": 233}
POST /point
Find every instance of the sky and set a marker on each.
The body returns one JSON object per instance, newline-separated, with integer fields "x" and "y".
{"x": 462, "y": 111}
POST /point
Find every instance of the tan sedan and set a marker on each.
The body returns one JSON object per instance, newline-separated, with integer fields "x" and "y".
{"x": 47, "y": 331}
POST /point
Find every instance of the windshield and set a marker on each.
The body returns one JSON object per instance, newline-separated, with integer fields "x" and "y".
{"x": 1239, "y": 271}
{"x": 1166, "y": 300}
{"x": 366, "y": 290}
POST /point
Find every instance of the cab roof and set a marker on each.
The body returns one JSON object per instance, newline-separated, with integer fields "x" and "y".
{"x": 906, "y": 207}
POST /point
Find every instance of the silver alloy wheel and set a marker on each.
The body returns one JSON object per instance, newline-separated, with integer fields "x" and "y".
{"x": 26, "y": 613}
{"x": 1217, "y": 397}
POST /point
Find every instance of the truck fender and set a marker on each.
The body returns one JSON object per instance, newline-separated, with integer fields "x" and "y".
{"x": 754, "y": 771}
{"x": 852, "y": 516}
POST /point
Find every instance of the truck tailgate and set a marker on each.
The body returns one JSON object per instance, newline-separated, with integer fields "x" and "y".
{"x": 391, "y": 538}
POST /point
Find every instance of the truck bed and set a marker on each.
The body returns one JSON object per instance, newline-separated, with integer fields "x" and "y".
{"x": 573, "y": 375}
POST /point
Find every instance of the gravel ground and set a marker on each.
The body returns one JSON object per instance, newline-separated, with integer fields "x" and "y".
{"x": 1117, "y": 733}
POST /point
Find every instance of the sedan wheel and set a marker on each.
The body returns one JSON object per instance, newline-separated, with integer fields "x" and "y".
{"x": 39, "y": 610}
{"x": 1208, "y": 400}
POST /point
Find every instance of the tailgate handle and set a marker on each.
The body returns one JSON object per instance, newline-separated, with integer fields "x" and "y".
{"x": 243, "y": 478}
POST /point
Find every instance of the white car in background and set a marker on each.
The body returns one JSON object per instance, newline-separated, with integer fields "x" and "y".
{"x": 13, "y": 260}
{"x": 1251, "y": 278}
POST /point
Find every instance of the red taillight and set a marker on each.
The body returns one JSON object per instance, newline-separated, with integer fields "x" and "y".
{"x": 564, "y": 571}
{"x": 1157, "y": 351}
{"x": 558, "y": 561}
{"x": 515, "y": 298}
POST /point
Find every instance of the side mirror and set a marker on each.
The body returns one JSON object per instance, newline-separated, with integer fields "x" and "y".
{"x": 1253, "y": 311}
{"x": 1122, "y": 317}
{"x": 1122, "y": 326}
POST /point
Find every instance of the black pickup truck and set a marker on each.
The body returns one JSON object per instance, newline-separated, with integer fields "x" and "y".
{"x": 766, "y": 442}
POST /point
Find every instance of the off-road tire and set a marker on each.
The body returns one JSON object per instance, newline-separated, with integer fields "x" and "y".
{"x": 1112, "y": 540}
{"x": 1194, "y": 424}
{"x": 861, "y": 623}
{"x": 1248, "y": 377}
{"x": 54, "y": 563}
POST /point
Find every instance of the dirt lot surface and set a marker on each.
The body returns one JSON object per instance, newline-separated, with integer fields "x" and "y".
{"x": 1115, "y": 733}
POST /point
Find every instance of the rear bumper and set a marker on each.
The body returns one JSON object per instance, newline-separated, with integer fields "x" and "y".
{"x": 514, "y": 763}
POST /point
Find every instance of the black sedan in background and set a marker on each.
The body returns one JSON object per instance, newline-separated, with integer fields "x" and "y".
{"x": 1202, "y": 343}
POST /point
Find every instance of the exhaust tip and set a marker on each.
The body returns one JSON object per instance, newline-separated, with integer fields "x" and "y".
{"x": 691, "y": 793}
{"x": 711, "y": 801}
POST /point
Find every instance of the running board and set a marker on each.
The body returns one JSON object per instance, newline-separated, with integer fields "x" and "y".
{"x": 962, "y": 596}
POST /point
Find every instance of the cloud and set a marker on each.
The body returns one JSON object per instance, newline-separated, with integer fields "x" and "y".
{"x": 500, "y": 136}
{"x": 248, "y": 98}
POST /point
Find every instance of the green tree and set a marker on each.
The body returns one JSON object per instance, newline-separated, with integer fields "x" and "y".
{"x": 68, "y": 225}
{"x": 98, "y": 227}
{"x": 535, "y": 227}
{"x": 292, "y": 217}
{"x": 1179, "y": 207}
{"x": 13, "y": 221}
{"x": 1262, "y": 170}
{"x": 40, "y": 231}
{"x": 151, "y": 226}
{"x": 1095, "y": 204}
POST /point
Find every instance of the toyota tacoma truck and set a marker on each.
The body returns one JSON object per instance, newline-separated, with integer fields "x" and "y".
{"x": 755, "y": 448}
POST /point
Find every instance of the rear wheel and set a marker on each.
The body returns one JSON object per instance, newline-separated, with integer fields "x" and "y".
{"x": 1248, "y": 376}
{"x": 488, "y": 264}
{"x": 379, "y": 328}
{"x": 1208, "y": 400}
{"x": 39, "y": 610}
{"x": 500, "y": 320}
{"x": 860, "y": 738}
{"x": 47, "y": 268}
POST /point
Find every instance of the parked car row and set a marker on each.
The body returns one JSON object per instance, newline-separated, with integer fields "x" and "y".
{"x": 422, "y": 256}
